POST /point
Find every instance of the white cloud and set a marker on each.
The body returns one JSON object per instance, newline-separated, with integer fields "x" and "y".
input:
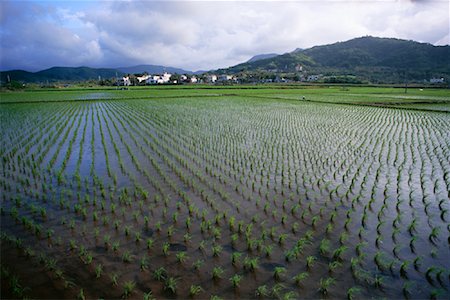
{"x": 201, "y": 34}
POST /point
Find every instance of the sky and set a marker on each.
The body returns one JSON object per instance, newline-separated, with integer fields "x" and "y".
{"x": 199, "y": 35}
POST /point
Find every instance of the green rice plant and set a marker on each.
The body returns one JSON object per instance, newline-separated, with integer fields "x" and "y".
{"x": 187, "y": 238}
{"x": 115, "y": 246}
{"x": 295, "y": 227}
{"x": 310, "y": 260}
{"x": 137, "y": 237}
{"x": 80, "y": 295}
{"x": 262, "y": 291}
{"x": 325, "y": 284}
{"x": 300, "y": 277}
{"x": 181, "y": 257}
{"x": 403, "y": 268}
{"x": 202, "y": 246}
{"x": 160, "y": 274}
{"x": 170, "y": 231}
{"x": 378, "y": 281}
{"x": 329, "y": 229}
{"x": 352, "y": 291}
{"x": 324, "y": 247}
{"x": 278, "y": 272}
{"x": 116, "y": 224}
{"x": 412, "y": 226}
{"x": 333, "y": 266}
{"x": 198, "y": 264}
{"x": 143, "y": 263}
{"x": 165, "y": 248}
{"x": 72, "y": 245}
{"x": 216, "y": 250}
{"x": 127, "y": 230}
{"x": 314, "y": 221}
{"x": 88, "y": 258}
{"x": 411, "y": 244}
{"x": 277, "y": 290}
{"x": 282, "y": 238}
{"x": 149, "y": 242}
{"x": 434, "y": 234}
{"x": 235, "y": 280}
{"x": 170, "y": 285}
{"x": 98, "y": 270}
{"x": 148, "y": 296}
{"x": 437, "y": 293}
{"x": 251, "y": 263}
{"x": 417, "y": 262}
{"x": 128, "y": 288}
{"x": 217, "y": 273}
{"x": 127, "y": 257}
{"x": 359, "y": 247}
{"x": 268, "y": 249}
{"x": 406, "y": 288}
{"x": 195, "y": 290}
{"x": 114, "y": 279}
{"x": 338, "y": 253}
{"x": 235, "y": 256}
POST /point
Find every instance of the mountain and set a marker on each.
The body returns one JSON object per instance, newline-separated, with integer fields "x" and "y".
{"x": 373, "y": 59}
{"x": 68, "y": 74}
{"x": 59, "y": 74}
{"x": 152, "y": 69}
{"x": 261, "y": 57}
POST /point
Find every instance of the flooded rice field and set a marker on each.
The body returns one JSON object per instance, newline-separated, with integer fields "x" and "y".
{"x": 223, "y": 197}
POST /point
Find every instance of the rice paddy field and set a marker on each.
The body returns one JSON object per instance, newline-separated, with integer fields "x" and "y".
{"x": 225, "y": 193}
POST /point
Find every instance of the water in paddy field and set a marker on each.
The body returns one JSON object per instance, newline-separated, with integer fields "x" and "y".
{"x": 239, "y": 197}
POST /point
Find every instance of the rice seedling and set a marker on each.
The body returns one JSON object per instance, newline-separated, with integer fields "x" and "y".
{"x": 310, "y": 260}
{"x": 352, "y": 291}
{"x": 262, "y": 291}
{"x": 114, "y": 279}
{"x": 325, "y": 284}
{"x": 195, "y": 290}
{"x": 128, "y": 288}
{"x": 198, "y": 264}
{"x": 278, "y": 272}
{"x": 98, "y": 270}
{"x": 251, "y": 263}
{"x": 170, "y": 285}
{"x": 217, "y": 273}
{"x": 300, "y": 278}
{"x": 160, "y": 274}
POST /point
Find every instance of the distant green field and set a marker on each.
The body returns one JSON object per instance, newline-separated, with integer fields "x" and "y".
{"x": 426, "y": 99}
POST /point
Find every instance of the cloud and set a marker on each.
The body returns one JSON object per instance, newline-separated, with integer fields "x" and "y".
{"x": 199, "y": 34}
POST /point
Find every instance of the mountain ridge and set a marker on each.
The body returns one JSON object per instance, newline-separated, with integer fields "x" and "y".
{"x": 372, "y": 59}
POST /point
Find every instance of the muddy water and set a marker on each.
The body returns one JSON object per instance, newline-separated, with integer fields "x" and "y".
{"x": 371, "y": 180}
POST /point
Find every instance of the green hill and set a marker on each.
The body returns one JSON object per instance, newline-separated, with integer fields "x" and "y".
{"x": 384, "y": 60}
{"x": 59, "y": 74}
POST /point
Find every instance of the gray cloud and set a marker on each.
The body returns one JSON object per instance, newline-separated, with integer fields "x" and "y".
{"x": 199, "y": 35}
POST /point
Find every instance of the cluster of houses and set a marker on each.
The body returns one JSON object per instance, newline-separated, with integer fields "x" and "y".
{"x": 168, "y": 78}
{"x": 145, "y": 79}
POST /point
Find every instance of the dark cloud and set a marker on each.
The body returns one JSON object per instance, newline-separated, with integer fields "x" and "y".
{"x": 198, "y": 35}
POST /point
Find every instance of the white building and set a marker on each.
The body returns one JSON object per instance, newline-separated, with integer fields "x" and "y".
{"x": 143, "y": 78}
{"x": 194, "y": 79}
{"x": 159, "y": 79}
{"x": 125, "y": 81}
{"x": 211, "y": 78}
{"x": 225, "y": 77}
